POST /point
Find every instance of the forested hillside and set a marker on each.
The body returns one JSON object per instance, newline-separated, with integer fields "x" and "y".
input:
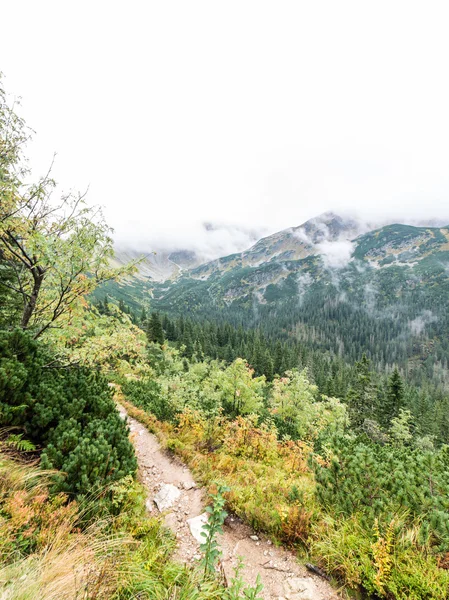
{"x": 383, "y": 293}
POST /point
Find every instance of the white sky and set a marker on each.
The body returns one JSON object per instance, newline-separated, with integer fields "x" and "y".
{"x": 252, "y": 114}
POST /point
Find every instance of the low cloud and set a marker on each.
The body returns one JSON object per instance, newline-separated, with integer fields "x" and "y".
{"x": 208, "y": 240}
{"x": 304, "y": 281}
{"x": 336, "y": 255}
{"x": 418, "y": 325}
{"x": 370, "y": 297}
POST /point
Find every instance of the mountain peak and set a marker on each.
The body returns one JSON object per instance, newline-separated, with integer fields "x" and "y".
{"x": 328, "y": 226}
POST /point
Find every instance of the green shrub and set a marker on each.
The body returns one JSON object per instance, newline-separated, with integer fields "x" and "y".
{"x": 146, "y": 394}
{"x": 67, "y": 411}
{"x": 380, "y": 481}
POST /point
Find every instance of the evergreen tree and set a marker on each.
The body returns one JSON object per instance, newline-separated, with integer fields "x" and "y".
{"x": 361, "y": 395}
{"x": 155, "y": 332}
{"x": 143, "y": 317}
{"x": 67, "y": 411}
{"x": 394, "y": 399}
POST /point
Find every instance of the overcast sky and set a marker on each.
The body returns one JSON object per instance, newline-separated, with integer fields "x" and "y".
{"x": 252, "y": 114}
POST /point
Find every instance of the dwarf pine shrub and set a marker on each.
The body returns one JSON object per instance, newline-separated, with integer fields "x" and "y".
{"x": 68, "y": 412}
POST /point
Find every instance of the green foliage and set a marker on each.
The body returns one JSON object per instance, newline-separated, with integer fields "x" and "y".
{"x": 15, "y": 441}
{"x": 385, "y": 561}
{"x": 361, "y": 396}
{"x": 154, "y": 329}
{"x": 213, "y": 527}
{"x": 67, "y": 411}
{"x": 241, "y": 392}
{"x": 394, "y": 398}
{"x": 146, "y": 393}
{"x": 237, "y": 586}
{"x": 400, "y": 430}
{"x": 299, "y": 413}
{"x": 378, "y": 481}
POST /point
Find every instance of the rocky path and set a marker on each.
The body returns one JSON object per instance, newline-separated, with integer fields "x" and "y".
{"x": 172, "y": 491}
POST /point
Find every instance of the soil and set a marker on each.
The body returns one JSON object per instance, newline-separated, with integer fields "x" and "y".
{"x": 283, "y": 577}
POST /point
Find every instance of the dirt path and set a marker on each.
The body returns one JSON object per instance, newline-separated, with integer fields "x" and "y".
{"x": 282, "y": 576}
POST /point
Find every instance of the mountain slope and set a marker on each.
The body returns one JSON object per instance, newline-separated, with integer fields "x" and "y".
{"x": 290, "y": 244}
{"x": 385, "y": 292}
{"x": 157, "y": 266}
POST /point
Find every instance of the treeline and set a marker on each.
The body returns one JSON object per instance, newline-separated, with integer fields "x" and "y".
{"x": 397, "y": 315}
{"x": 372, "y": 397}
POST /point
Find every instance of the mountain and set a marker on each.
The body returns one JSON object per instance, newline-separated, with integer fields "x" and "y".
{"x": 158, "y": 265}
{"x": 327, "y": 248}
{"x": 166, "y": 261}
{"x": 331, "y": 283}
{"x": 290, "y": 244}
{"x": 385, "y": 291}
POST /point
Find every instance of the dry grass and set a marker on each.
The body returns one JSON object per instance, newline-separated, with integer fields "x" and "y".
{"x": 43, "y": 554}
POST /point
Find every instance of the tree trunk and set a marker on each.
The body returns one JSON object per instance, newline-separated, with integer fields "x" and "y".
{"x": 30, "y": 306}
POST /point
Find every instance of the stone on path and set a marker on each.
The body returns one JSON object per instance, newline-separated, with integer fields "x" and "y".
{"x": 302, "y": 588}
{"x": 196, "y": 525}
{"x": 166, "y": 496}
{"x": 189, "y": 485}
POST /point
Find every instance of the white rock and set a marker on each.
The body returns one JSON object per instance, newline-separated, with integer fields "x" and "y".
{"x": 196, "y": 525}
{"x": 303, "y": 588}
{"x": 188, "y": 485}
{"x": 254, "y": 538}
{"x": 166, "y": 496}
{"x": 149, "y": 505}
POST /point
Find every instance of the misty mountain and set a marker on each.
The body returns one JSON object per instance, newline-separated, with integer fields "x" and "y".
{"x": 384, "y": 291}
{"x": 295, "y": 243}
{"x": 157, "y": 265}
{"x": 329, "y": 283}
{"x": 164, "y": 259}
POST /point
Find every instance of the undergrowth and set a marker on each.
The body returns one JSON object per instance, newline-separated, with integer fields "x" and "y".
{"x": 50, "y": 550}
{"x": 273, "y": 489}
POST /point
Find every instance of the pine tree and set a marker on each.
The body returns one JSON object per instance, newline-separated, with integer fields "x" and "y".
{"x": 143, "y": 317}
{"x": 278, "y": 360}
{"x": 394, "y": 399}
{"x": 69, "y": 412}
{"x": 361, "y": 396}
{"x": 155, "y": 332}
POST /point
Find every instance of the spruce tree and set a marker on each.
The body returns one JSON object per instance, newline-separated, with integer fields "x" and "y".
{"x": 361, "y": 395}
{"x": 143, "y": 317}
{"x": 155, "y": 333}
{"x": 394, "y": 399}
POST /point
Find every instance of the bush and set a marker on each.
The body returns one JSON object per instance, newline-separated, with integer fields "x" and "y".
{"x": 378, "y": 481}
{"x": 67, "y": 411}
{"x": 146, "y": 394}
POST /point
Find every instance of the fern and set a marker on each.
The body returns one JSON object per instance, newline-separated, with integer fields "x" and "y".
{"x": 16, "y": 442}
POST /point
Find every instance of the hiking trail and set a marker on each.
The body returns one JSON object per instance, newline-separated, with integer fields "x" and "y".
{"x": 169, "y": 483}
